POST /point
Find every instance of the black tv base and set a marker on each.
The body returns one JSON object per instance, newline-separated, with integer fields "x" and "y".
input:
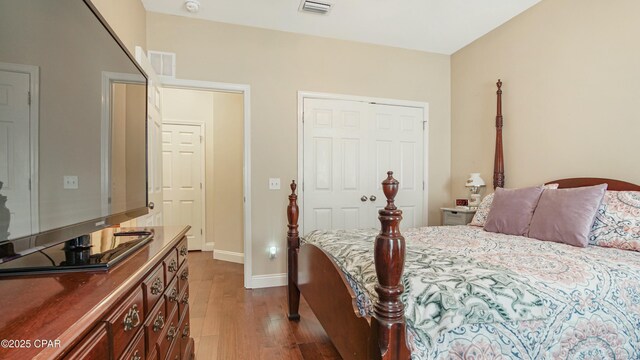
{"x": 83, "y": 253}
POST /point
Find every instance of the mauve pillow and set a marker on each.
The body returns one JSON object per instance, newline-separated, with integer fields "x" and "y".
{"x": 566, "y": 215}
{"x": 512, "y": 210}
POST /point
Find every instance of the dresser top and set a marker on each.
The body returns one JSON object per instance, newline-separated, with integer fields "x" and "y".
{"x": 65, "y": 306}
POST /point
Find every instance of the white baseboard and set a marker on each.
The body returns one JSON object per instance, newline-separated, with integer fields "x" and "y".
{"x": 269, "y": 280}
{"x": 228, "y": 256}
{"x": 208, "y": 246}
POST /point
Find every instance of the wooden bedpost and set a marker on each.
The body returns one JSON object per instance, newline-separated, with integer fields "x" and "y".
{"x": 388, "y": 327}
{"x": 293, "y": 244}
{"x": 498, "y": 163}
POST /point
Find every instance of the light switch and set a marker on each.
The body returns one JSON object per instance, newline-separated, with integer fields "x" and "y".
{"x": 70, "y": 182}
{"x": 274, "y": 183}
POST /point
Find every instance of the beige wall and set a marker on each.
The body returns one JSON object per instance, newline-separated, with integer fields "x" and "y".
{"x": 277, "y": 65}
{"x": 127, "y": 18}
{"x": 228, "y": 152}
{"x": 571, "y": 73}
{"x": 223, "y": 117}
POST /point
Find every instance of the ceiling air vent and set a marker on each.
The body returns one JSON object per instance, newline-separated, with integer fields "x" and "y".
{"x": 315, "y": 7}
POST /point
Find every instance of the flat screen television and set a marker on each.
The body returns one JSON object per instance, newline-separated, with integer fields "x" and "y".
{"x": 73, "y": 136}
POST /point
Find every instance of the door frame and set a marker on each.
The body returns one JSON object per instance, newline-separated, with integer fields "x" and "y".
{"x": 380, "y": 101}
{"x": 203, "y": 193}
{"x": 34, "y": 122}
{"x": 108, "y": 79}
{"x": 245, "y": 90}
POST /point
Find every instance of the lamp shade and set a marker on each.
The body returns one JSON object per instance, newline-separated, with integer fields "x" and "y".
{"x": 474, "y": 180}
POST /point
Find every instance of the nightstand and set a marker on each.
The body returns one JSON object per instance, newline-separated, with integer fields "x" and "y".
{"x": 456, "y": 216}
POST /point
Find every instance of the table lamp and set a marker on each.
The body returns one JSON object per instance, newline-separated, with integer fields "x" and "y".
{"x": 475, "y": 184}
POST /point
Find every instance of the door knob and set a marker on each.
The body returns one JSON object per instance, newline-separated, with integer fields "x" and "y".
{"x": 372, "y": 198}
{"x": 363, "y": 198}
{"x": 151, "y": 205}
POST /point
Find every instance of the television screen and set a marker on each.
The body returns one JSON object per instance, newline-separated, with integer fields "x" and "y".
{"x": 72, "y": 126}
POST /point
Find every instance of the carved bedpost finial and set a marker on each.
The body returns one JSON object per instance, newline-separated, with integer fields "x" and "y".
{"x": 499, "y": 84}
{"x": 390, "y": 189}
{"x": 387, "y": 324}
{"x": 293, "y": 244}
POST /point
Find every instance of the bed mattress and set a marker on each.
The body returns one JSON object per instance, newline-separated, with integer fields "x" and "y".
{"x": 471, "y": 294}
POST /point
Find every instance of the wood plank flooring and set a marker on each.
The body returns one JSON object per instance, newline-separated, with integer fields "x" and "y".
{"x": 229, "y": 322}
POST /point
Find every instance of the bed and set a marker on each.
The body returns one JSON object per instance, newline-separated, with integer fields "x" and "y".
{"x": 460, "y": 292}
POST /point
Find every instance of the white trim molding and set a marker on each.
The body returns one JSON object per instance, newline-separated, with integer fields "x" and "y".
{"x": 230, "y": 256}
{"x": 245, "y": 90}
{"x": 208, "y": 246}
{"x": 269, "y": 280}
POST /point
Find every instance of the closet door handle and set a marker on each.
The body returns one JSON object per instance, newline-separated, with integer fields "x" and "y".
{"x": 372, "y": 198}
{"x": 151, "y": 205}
{"x": 363, "y": 198}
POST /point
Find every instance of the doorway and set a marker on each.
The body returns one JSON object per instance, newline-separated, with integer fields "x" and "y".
{"x": 348, "y": 144}
{"x": 218, "y": 223}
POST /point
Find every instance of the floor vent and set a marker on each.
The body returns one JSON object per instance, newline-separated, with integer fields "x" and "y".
{"x": 164, "y": 63}
{"x": 315, "y": 7}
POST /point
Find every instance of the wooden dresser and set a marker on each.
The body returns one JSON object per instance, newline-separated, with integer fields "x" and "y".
{"x": 137, "y": 310}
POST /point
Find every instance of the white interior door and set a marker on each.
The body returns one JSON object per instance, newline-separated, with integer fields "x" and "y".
{"x": 335, "y": 165}
{"x": 15, "y": 163}
{"x": 348, "y": 148}
{"x": 396, "y": 143}
{"x": 155, "y": 217}
{"x": 182, "y": 154}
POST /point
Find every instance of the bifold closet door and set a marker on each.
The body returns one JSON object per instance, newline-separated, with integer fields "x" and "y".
{"x": 335, "y": 165}
{"x": 348, "y": 148}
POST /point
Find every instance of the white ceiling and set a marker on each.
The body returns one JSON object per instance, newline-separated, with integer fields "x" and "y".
{"x": 440, "y": 26}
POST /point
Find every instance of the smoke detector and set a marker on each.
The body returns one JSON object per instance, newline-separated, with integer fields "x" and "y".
{"x": 315, "y": 7}
{"x": 192, "y": 6}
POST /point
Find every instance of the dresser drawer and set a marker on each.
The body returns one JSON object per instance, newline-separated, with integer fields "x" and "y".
{"x": 183, "y": 304}
{"x": 153, "y": 287}
{"x": 184, "y": 331}
{"x": 155, "y": 325}
{"x": 136, "y": 350}
{"x": 169, "y": 336}
{"x": 183, "y": 276}
{"x": 170, "y": 264}
{"x": 452, "y": 217}
{"x": 94, "y": 346}
{"x": 172, "y": 296}
{"x": 183, "y": 250}
{"x": 126, "y": 320}
{"x": 174, "y": 351}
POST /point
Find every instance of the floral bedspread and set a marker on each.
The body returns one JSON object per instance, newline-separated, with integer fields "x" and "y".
{"x": 471, "y": 294}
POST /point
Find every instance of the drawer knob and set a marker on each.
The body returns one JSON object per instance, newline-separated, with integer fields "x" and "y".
{"x": 184, "y": 275}
{"x": 171, "y": 333}
{"x": 184, "y": 251}
{"x": 173, "y": 266}
{"x": 185, "y": 299}
{"x": 159, "y": 323}
{"x": 174, "y": 295}
{"x": 157, "y": 287}
{"x": 185, "y": 331}
{"x": 132, "y": 319}
{"x": 136, "y": 356}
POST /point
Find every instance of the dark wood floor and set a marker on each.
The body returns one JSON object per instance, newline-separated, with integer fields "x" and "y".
{"x": 229, "y": 322}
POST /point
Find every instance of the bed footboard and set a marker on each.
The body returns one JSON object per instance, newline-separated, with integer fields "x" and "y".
{"x": 332, "y": 300}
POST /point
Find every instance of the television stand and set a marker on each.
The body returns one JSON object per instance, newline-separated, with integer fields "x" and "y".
{"x": 99, "y": 252}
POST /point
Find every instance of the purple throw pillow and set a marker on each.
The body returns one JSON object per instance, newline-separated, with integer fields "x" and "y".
{"x": 566, "y": 215}
{"x": 512, "y": 210}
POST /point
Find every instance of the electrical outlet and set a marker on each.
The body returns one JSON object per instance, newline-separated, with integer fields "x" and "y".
{"x": 274, "y": 183}
{"x": 70, "y": 182}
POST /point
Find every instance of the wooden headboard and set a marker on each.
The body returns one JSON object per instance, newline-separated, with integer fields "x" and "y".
{"x": 615, "y": 185}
